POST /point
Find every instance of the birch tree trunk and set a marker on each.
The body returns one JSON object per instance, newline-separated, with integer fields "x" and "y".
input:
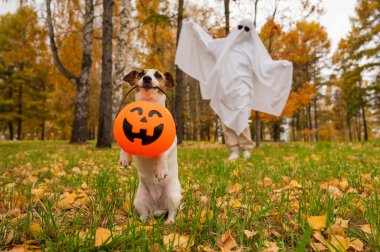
{"x": 120, "y": 56}
{"x": 105, "y": 108}
{"x": 179, "y": 80}
{"x": 81, "y": 83}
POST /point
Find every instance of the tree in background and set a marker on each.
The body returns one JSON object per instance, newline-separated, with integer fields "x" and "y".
{"x": 81, "y": 82}
{"x": 357, "y": 56}
{"x": 105, "y": 108}
{"x": 24, "y": 71}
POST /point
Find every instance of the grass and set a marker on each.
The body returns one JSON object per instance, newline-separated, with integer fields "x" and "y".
{"x": 55, "y": 197}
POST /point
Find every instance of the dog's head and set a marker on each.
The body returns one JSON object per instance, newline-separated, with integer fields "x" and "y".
{"x": 147, "y": 80}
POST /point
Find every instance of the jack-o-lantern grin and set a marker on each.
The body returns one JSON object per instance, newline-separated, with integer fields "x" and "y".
{"x": 145, "y": 135}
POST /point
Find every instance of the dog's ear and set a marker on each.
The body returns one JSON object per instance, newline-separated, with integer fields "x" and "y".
{"x": 131, "y": 77}
{"x": 169, "y": 81}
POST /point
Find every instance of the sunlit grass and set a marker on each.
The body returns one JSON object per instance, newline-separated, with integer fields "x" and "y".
{"x": 55, "y": 196}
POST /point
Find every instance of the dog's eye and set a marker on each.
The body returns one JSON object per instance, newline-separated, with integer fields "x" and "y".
{"x": 157, "y": 75}
{"x": 141, "y": 74}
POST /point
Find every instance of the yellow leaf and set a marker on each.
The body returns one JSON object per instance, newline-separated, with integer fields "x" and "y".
{"x": 317, "y": 222}
{"x": 35, "y": 228}
{"x": 336, "y": 229}
{"x": 226, "y": 242}
{"x": 319, "y": 237}
{"x": 145, "y": 228}
{"x": 176, "y": 241}
{"x": 270, "y": 247}
{"x": 234, "y": 188}
{"x": 249, "y": 234}
{"x": 9, "y": 237}
{"x": 205, "y": 248}
{"x": 102, "y": 235}
{"x": 33, "y": 179}
{"x": 316, "y": 246}
{"x": 338, "y": 243}
{"x": 356, "y": 244}
{"x": 66, "y": 200}
{"x": 366, "y": 229}
{"x": 342, "y": 222}
{"x": 20, "y": 199}
{"x": 267, "y": 182}
{"x": 39, "y": 193}
{"x": 343, "y": 185}
{"x": 234, "y": 203}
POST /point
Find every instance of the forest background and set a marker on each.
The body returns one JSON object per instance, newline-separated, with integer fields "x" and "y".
{"x": 62, "y": 63}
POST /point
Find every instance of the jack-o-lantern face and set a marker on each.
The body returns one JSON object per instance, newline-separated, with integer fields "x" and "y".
{"x": 144, "y": 129}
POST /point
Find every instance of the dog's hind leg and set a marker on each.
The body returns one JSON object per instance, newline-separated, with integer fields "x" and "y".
{"x": 141, "y": 202}
{"x": 173, "y": 201}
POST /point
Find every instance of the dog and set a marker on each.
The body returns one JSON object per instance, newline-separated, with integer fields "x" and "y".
{"x": 159, "y": 190}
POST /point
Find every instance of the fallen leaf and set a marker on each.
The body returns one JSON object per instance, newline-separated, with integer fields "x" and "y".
{"x": 319, "y": 237}
{"x": 342, "y": 222}
{"x": 336, "y": 229}
{"x": 234, "y": 188}
{"x": 316, "y": 246}
{"x": 338, "y": 243}
{"x": 270, "y": 247}
{"x": 234, "y": 203}
{"x": 39, "y": 193}
{"x": 9, "y": 237}
{"x": 176, "y": 241}
{"x": 343, "y": 185}
{"x": 249, "y": 234}
{"x": 267, "y": 182}
{"x": 66, "y": 200}
{"x": 102, "y": 235}
{"x": 317, "y": 222}
{"x": 226, "y": 242}
{"x": 35, "y": 228}
{"x": 205, "y": 248}
{"x": 145, "y": 228}
{"x": 366, "y": 229}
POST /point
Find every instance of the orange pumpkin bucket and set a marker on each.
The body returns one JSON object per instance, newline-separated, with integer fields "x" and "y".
{"x": 144, "y": 129}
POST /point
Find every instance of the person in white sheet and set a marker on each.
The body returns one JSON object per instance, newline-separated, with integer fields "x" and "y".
{"x": 237, "y": 74}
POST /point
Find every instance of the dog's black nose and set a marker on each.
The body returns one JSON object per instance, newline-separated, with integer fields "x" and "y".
{"x": 147, "y": 79}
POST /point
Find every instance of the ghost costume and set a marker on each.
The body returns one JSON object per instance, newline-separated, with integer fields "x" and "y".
{"x": 235, "y": 73}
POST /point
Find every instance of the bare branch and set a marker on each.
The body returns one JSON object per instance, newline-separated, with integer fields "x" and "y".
{"x": 54, "y": 49}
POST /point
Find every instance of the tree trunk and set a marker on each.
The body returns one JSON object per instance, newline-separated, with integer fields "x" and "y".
{"x": 79, "y": 128}
{"x": 227, "y": 16}
{"x": 196, "y": 122}
{"x": 258, "y": 129}
{"x": 43, "y": 119}
{"x": 105, "y": 109}
{"x": 276, "y": 131}
{"x": 120, "y": 57}
{"x": 349, "y": 128}
{"x": 293, "y": 128}
{"x": 179, "y": 79}
{"x": 19, "y": 113}
{"x": 309, "y": 122}
{"x": 358, "y": 128}
{"x": 255, "y": 12}
{"x": 316, "y": 120}
{"x": 187, "y": 126}
{"x": 364, "y": 123}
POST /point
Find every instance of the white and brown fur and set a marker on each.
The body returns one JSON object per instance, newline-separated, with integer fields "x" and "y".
{"x": 159, "y": 190}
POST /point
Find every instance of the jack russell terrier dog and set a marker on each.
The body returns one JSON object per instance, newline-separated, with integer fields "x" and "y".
{"x": 159, "y": 190}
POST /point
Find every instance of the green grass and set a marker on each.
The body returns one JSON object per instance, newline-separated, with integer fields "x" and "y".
{"x": 218, "y": 197}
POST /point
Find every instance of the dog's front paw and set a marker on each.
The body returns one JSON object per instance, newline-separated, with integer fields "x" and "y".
{"x": 125, "y": 159}
{"x": 161, "y": 174}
